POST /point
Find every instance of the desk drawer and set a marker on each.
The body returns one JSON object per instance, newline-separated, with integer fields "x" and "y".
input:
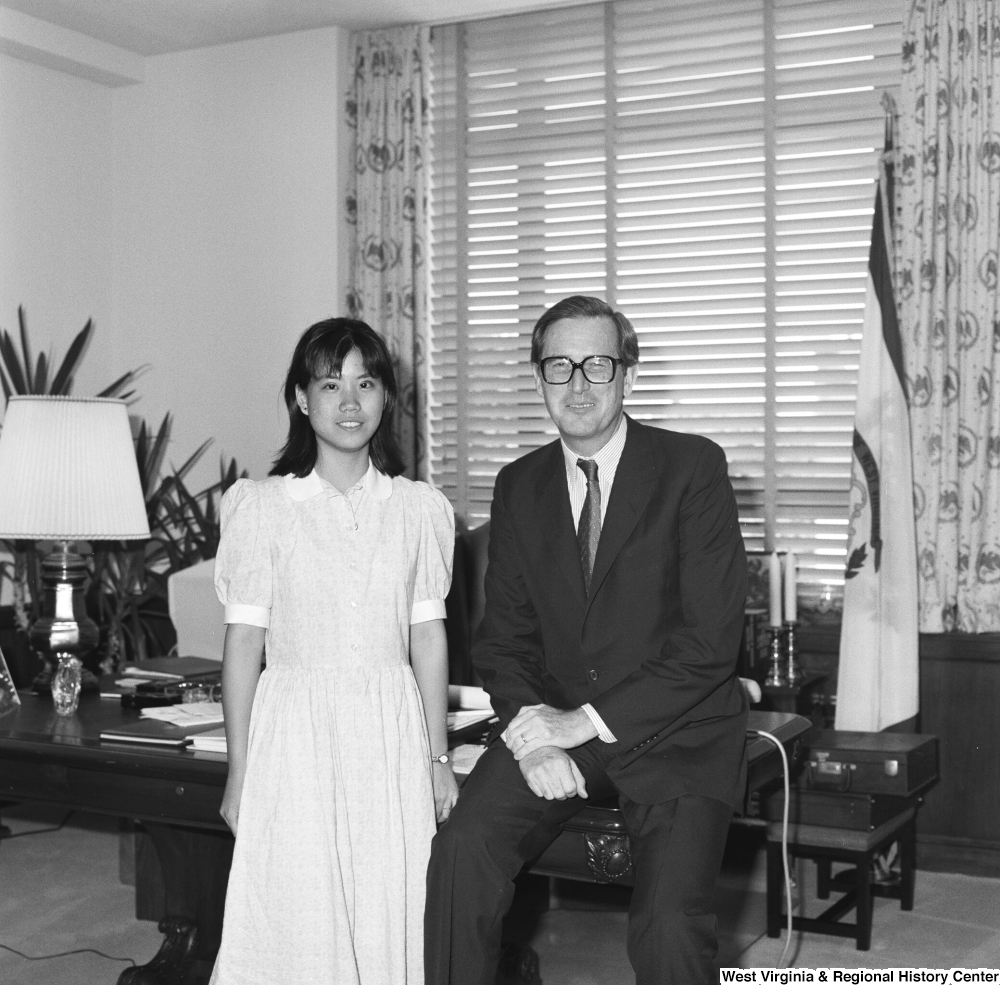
{"x": 154, "y": 799}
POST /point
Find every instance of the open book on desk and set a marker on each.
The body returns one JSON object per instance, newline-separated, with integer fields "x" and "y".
{"x": 174, "y": 725}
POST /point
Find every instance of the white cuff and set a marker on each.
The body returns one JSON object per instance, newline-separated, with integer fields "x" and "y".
{"x": 248, "y": 615}
{"x": 426, "y": 611}
{"x": 603, "y": 732}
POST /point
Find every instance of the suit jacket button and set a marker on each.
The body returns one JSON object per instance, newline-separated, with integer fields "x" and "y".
{"x": 593, "y": 675}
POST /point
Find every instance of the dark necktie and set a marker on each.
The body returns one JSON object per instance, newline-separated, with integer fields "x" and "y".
{"x": 588, "y": 533}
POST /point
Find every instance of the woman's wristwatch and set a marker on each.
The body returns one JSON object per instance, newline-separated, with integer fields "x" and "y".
{"x": 443, "y": 758}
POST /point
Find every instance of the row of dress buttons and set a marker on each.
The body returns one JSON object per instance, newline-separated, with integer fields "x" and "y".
{"x": 349, "y": 528}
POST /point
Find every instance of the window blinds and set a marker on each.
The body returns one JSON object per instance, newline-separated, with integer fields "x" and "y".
{"x": 708, "y": 168}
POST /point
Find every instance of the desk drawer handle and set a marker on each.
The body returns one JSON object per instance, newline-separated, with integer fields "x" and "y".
{"x": 608, "y": 856}
{"x": 179, "y": 791}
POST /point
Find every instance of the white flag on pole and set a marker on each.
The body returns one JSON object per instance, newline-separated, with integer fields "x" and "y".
{"x": 878, "y": 674}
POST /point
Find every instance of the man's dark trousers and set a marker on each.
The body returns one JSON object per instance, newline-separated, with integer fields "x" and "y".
{"x": 498, "y": 824}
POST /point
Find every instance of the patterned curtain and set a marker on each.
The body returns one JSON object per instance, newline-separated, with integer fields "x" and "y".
{"x": 388, "y": 109}
{"x": 948, "y": 221}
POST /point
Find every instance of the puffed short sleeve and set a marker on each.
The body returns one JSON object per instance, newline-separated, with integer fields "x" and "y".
{"x": 243, "y": 562}
{"x": 435, "y": 556}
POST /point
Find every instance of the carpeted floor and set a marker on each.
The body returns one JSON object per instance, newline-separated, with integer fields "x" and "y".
{"x": 59, "y": 891}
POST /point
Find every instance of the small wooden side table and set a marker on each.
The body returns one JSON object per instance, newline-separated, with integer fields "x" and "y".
{"x": 857, "y": 849}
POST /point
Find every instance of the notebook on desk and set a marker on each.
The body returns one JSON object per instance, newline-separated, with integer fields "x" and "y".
{"x": 172, "y": 668}
{"x": 150, "y": 732}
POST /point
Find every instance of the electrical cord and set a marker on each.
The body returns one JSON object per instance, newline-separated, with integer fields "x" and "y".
{"x": 60, "y": 954}
{"x": 63, "y": 954}
{"x": 784, "y": 840}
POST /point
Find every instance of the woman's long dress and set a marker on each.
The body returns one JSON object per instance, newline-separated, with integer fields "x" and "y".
{"x": 337, "y": 812}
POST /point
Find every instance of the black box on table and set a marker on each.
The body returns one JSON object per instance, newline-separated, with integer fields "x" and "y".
{"x": 895, "y": 764}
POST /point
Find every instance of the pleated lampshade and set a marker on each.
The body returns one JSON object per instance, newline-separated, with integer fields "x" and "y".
{"x": 68, "y": 471}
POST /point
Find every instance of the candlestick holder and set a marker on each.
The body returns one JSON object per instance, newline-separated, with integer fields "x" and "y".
{"x": 793, "y": 670}
{"x": 775, "y": 672}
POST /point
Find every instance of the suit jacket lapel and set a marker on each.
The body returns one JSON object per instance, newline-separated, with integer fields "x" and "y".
{"x": 633, "y": 486}
{"x": 555, "y": 520}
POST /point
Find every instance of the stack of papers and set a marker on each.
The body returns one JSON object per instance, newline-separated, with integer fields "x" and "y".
{"x": 469, "y": 705}
{"x": 198, "y": 713}
{"x": 212, "y": 741}
{"x": 468, "y": 698}
{"x": 460, "y": 719}
{"x": 463, "y": 758}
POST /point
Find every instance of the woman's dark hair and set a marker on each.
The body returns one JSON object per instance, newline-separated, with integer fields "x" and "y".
{"x": 321, "y": 352}
{"x": 582, "y": 306}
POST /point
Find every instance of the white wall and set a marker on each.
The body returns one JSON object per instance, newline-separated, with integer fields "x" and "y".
{"x": 227, "y": 214}
{"x": 56, "y": 212}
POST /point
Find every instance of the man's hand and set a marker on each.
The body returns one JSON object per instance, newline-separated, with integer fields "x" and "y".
{"x": 552, "y": 774}
{"x": 537, "y": 726}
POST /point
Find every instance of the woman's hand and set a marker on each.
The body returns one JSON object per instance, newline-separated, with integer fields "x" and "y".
{"x": 445, "y": 790}
{"x": 230, "y": 809}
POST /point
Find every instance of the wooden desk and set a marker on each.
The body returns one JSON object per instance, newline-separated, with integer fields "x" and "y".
{"x": 177, "y": 794}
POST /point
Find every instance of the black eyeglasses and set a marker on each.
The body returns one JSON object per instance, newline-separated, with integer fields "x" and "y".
{"x": 595, "y": 369}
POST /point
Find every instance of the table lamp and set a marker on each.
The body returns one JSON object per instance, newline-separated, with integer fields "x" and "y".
{"x": 68, "y": 473}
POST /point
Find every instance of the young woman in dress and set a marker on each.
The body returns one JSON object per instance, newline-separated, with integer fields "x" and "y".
{"x": 335, "y": 569}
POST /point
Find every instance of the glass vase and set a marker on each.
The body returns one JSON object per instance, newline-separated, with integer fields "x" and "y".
{"x": 66, "y": 684}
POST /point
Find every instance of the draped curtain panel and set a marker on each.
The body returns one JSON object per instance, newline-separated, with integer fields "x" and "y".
{"x": 387, "y": 107}
{"x": 948, "y": 224}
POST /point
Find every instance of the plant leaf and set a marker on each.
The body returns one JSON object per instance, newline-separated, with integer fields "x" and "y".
{"x": 141, "y": 451}
{"x": 191, "y": 462}
{"x": 157, "y": 451}
{"x": 25, "y": 348}
{"x": 12, "y": 363}
{"x": 41, "y": 374}
{"x": 62, "y": 382}
{"x": 126, "y": 379}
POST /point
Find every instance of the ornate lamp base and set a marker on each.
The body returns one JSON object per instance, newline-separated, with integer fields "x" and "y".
{"x": 64, "y": 628}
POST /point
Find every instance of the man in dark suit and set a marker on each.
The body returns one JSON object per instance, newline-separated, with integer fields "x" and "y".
{"x": 614, "y": 607}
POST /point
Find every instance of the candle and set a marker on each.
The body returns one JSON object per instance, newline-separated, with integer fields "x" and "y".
{"x": 790, "y": 590}
{"x": 774, "y": 584}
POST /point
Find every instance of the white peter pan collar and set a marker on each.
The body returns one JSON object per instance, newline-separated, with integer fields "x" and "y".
{"x": 377, "y": 484}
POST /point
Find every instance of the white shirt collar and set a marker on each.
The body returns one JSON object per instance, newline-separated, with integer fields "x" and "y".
{"x": 610, "y": 452}
{"x": 377, "y": 484}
